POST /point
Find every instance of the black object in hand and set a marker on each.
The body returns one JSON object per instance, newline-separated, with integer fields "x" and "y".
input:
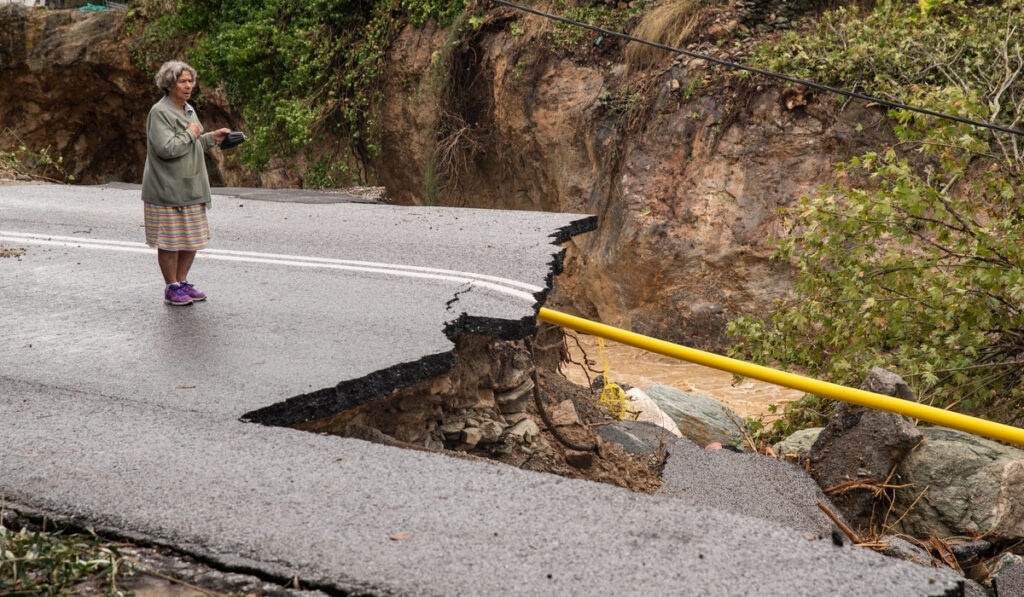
{"x": 232, "y": 139}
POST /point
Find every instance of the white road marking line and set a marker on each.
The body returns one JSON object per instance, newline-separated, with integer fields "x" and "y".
{"x": 502, "y": 285}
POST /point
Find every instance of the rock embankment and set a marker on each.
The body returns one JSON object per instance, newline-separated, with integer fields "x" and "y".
{"x": 959, "y": 497}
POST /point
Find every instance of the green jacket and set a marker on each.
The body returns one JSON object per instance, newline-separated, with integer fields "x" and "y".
{"x": 175, "y": 172}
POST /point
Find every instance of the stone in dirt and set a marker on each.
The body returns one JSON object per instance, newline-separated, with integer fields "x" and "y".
{"x": 797, "y": 446}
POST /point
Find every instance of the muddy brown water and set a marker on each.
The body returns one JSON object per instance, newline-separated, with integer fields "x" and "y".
{"x": 640, "y": 368}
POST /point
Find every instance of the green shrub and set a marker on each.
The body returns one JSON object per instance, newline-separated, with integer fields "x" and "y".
{"x": 299, "y": 72}
{"x": 599, "y": 15}
{"x": 912, "y": 260}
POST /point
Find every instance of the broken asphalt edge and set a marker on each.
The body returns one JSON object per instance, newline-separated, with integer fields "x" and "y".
{"x": 349, "y": 394}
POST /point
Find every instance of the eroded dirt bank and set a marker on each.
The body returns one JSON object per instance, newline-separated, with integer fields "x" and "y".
{"x": 686, "y": 166}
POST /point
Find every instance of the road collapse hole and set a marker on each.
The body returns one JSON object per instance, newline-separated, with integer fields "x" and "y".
{"x": 485, "y": 407}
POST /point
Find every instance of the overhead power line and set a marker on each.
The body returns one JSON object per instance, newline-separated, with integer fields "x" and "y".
{"x": 767, "y": 73}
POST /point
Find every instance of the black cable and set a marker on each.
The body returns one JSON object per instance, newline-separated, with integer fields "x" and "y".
{"x": 759, "y": 71}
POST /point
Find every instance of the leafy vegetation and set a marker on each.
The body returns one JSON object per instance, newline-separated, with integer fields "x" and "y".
{"x": 599, "y": 15}
{"x": 34, "y": 163}
{"x": 301, "y": 72}
{"x": 36, "y": 563}
{"x": 912, "y": 260}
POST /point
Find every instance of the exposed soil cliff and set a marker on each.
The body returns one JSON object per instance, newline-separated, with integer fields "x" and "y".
{"x": 686, "y": 165}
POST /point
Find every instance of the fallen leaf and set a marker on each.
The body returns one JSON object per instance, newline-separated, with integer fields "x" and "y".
{"x": 184, "y": 387}
{"x": 401, "y": 536}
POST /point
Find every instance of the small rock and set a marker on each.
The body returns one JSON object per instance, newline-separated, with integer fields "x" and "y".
{"x": 636, "y": 437}
{"x": 968, "y": 554}
{"x": 563, "y": 413}
{"x": 452, "y": 429}
{"x": 513, "y": 418}
{"x": 514, "y": 400}
{"x": 796, "y": 447}
{"x": 524, "y": 429}
{"x": 899, "y": 547}
{"x": 471, "y": 436}
{"x": 491, "y": 431}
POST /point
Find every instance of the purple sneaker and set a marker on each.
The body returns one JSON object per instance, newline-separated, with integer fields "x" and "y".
{"x": 196, "y": 295}
{"x": 175, "y": 295}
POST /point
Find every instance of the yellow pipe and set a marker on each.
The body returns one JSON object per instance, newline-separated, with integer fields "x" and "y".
{"x": 914, "y": 410}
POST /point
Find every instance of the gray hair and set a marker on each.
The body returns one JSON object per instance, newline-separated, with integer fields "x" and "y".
{"x": 169, "y": 72}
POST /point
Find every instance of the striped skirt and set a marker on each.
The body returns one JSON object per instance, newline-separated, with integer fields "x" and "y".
{"x": 177, "y": 228}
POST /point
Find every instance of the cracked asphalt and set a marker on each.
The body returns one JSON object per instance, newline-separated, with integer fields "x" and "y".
{"x": 126, "y": 415}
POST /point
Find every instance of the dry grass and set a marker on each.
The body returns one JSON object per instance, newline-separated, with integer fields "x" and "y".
{"x": 670, "y": 24}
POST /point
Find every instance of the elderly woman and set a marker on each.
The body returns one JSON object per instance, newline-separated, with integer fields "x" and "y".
{"x": 175, "y": 185}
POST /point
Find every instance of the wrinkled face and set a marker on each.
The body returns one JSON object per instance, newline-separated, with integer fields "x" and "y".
{"x": 181, "y": 91}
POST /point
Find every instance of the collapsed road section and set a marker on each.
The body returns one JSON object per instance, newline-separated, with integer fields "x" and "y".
{"x": 122, "y": 414}
{"x": 482, "y": 305}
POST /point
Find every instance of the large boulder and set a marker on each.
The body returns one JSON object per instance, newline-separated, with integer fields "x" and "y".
{"x": 862, "y": 444}
{"x": 966, "y": 484}
{"x": 699, "y": 418}
{"x": 643, "y": 408}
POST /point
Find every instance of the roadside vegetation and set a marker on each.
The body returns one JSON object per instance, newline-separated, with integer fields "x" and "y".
{"x": 303, "y": 74}
{"x": 912, "y": 260}
{"x": 35, "y": 164}
{"x": 35, "y": 563}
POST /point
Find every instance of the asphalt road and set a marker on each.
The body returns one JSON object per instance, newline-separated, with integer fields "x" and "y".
{"x": 125, "y": 414}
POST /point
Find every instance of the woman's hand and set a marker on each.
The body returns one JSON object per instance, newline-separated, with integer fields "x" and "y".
{"x": 194, "y": 128}
{"x": 219, "y": 134}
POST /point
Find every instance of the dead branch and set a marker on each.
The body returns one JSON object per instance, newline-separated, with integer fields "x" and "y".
{"x": 544, "y": 414}
{"x": 854, "y": 537}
